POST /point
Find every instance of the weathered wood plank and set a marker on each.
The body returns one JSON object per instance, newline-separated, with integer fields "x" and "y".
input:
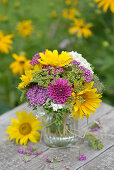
{"x": 9, "y": 159}
{"x": 105, "y": 161}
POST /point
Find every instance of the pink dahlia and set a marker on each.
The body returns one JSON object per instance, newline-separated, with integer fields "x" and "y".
{"x": 59, "y": 90}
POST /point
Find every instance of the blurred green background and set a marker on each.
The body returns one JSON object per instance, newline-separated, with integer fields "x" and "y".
{"x": 51, "y": 32}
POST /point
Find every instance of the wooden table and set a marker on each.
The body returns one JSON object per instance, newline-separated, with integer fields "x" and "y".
{"x": 96, "y": 160}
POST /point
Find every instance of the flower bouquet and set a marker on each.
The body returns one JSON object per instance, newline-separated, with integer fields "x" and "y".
{"x": 62, "y": 88}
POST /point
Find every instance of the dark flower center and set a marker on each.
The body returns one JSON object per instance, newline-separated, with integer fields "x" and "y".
{"x": 25, "y": 128}
{"x": 21, "y": 62}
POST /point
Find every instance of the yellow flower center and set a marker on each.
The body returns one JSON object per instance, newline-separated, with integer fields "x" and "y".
{"x": 25, "y": 128}
{"x": 60, "y": 89}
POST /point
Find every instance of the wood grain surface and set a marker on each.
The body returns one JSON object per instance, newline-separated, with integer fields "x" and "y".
{"x": 96, "y": 160}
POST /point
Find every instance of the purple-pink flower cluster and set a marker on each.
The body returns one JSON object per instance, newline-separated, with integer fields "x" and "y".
{"x": 87, "y": 73}
{"x": 37, "y": 95}
{"x": 55, "y": 69}
{"x": 35, "y": 58}
{"x": 82, "y": 157}
{"x": 74, "y": 62}
{"x": 59, "y": 90}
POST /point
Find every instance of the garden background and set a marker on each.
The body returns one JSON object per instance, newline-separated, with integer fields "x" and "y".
{"x": 53, "y": 25}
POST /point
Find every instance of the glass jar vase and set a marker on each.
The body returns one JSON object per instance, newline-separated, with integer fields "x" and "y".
{"x": 59, "y": 135}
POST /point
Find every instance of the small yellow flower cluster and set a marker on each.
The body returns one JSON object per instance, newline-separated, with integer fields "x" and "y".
{"x": 25, "y": 28}
{"x": 70, "y": 13}
{"x": 78, "y": 26}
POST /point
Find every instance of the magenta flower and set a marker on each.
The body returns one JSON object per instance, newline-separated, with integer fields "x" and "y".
{"x": 55, "y": 69}
{"x": 37, "y": 95}
{"x": 95, "y": 129}
{"x": 87, "y": 73}
{"x": 48, "y": 160}
{"x": 21, "y": 151}
{"x": 74, "y": 62}
{"x": 35, "y": 58}
{"x": 59, "y": 90}
{"x": 82, "y": 158}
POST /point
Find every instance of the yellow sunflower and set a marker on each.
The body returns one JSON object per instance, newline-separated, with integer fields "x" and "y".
{"x": 106, "y": 4}
{"x": 81, "y": 28}
{"x": 54, "y": 59}
{"x": 86, "y": 101}
{"x": 25, "y": 128}
{"x": 25, "y": 28}
{"x": 5, "y": 42}
{"x": 26, "y": 79}
{"x": 20, "y": 64}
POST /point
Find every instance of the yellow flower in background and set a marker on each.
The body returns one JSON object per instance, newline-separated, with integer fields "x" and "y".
{"x": 81, "y": 28}
{"x": 25, "y": 128}
{"x": 70, "y": 13}
{"x": 20, "y": 64}
{"x": 68, "y": 2}
{"x": 3, "y": 1}
{"x": 0, "y": 17}
{"x": 85, "y": 101}
{"x": 53, "y": 14}
{"x": 5, "y": 42}
{"x": 54, "y": 59}
{"x": 105, "y": 4}
{"x": 26, "y": 79}
{"x": 25, "y": 28}
{"x": 71, "y": 2}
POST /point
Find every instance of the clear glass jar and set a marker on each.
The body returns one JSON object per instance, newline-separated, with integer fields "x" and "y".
{"x": 59, "y": 136}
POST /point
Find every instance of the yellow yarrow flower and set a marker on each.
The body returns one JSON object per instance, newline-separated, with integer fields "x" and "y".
{"x": 70, "y": 13}
{"x": 85, "y": 101}
{"x": 26, "y": 79}
{"x": 20, "y": 64}
{"x": 25, "y": 28}
{"x": 5, "y": 42}
{"x": 105, "y": 4}
{"x": 80, "y": 28}
{"x": 25, "y": 128}
{"x": 54, "y": 59}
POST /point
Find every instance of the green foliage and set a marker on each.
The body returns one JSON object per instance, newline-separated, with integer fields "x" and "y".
{"x": 94, "y": 142}
{"x": 73, "y": 76}
{"x": 43, "y": 78}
